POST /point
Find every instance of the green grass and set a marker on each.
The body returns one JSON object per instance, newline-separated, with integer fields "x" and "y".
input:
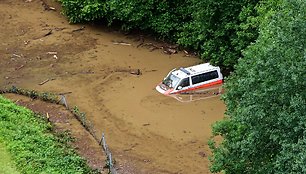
{"x": 7, "y": 166}
{"x": 33, "y": 146}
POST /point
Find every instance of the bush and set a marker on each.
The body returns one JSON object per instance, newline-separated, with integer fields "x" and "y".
{"x": 266, "y": 99}
{"x": 219, "y": 30}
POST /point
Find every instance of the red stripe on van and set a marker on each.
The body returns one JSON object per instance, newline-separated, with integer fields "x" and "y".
{"x": 201, "y": 86}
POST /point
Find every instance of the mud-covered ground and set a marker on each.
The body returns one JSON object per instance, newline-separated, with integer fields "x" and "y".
{"x": 146, "y": 131}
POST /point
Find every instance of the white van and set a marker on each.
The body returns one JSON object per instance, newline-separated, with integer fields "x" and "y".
{"x": 191, "y": 78}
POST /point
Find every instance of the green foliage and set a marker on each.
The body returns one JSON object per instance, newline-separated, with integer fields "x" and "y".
{"x": 265, "y": 131}
{"x": 83, "y": 10}
{"x": 7, "y": 165}
{"x": 158, "y": 16}
{"x": 218, "y": 29}
{"x": 34, "y": 149}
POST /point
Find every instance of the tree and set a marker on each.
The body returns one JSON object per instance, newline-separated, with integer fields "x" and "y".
{"x": 217, "y": 29}
{"x": 265, "y": 130}
{"x": 220, "y": 30}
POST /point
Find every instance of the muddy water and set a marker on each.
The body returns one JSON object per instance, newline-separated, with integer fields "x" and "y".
{"x": 147, "y": 132}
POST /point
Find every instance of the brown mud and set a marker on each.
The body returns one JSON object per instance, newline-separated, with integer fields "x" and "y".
{"x": 146, "y": 131}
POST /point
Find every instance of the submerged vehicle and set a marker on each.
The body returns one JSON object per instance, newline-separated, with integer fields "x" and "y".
{"x": 191, "y": 78}
{"x": 199, "y": 94}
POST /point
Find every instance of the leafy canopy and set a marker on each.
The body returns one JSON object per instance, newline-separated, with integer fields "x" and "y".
{"x": 265, "y": 131}
{"x": 217, "y": 29}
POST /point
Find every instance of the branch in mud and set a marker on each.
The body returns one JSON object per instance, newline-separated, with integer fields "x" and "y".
{"x": 18, "y": 68}
{"x": 79, "y": 29}
{"x": 46, "y": 6}
{"x": 45, "y": 81}
{"x": 166, "y": 49}
{"x": 47, "y": 34}
{"x": 121, "y": 43}
{"x": 131, "y": 71}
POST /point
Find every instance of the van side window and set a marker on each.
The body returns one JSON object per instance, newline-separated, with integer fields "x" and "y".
{"x": 204, "y": 77}
{"x": 185, "y": 82}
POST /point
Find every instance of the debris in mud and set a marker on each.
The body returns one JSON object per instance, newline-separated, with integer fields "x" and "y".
{"x": 51, "y": 52}
{"x": 45, "y": 81}
{"x": 152, "y": 70}
{"x": 135, "y": 72}
{"x": 46, "y": 6}
{"x": 87, "y": 72}
{"x": 26, "y": 42}
{"x": 16, "y": 55}
{"x": 170, "y": 51}
{"x": 79, "y": 29}
{"x": 131, "y": 71}
{"x": 121, "y": 43}
{"x": 19, "y": 67}
{"x": 59, "y": 28}
{"x": 47, "y": 34}
{"x": 202, "y": 154}
{"x": 146, "y": 124}
{"x": 166, "y": 48}
{"x": 146, "y": 160}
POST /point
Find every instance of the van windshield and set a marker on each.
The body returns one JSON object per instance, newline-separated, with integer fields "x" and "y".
{"x": 171, "y": 81}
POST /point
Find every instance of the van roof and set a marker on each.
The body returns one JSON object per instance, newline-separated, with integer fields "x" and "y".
{"x": 185, "y": 72}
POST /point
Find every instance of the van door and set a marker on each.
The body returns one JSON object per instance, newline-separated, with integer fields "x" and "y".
{"x": 184, "y": 84}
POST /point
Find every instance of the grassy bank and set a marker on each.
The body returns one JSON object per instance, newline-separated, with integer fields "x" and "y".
{"x": 31, "y": 144}
{"x": 7, "y": 165}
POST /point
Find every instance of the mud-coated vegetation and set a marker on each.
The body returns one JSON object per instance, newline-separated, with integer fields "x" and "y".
{"x": 32, "y": 145}
{"x": 217, "y": 29}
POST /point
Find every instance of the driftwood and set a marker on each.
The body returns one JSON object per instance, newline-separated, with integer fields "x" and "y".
{"x": 16, "y": 55}
{"x": 169, "y": 51}
{"x": 79, "y": 29}
{"x": 46, "y": 6}
{"x": 45, "y": 81}
{"x": 121, "y": 43}
{"x": 166, "y": 49}
{"x": 52, "y": 52}
{"x": 131, "y": 71}
{"x": 47, "y": 34}
{"x": 18, "y": 68}
{"x": 135, "y": 72}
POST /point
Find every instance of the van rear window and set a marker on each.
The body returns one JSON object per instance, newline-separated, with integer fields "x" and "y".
{"x": 204, "y": 77}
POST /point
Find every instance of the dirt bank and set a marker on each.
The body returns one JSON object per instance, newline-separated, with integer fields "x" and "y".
{"x": 154, "y": 133}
